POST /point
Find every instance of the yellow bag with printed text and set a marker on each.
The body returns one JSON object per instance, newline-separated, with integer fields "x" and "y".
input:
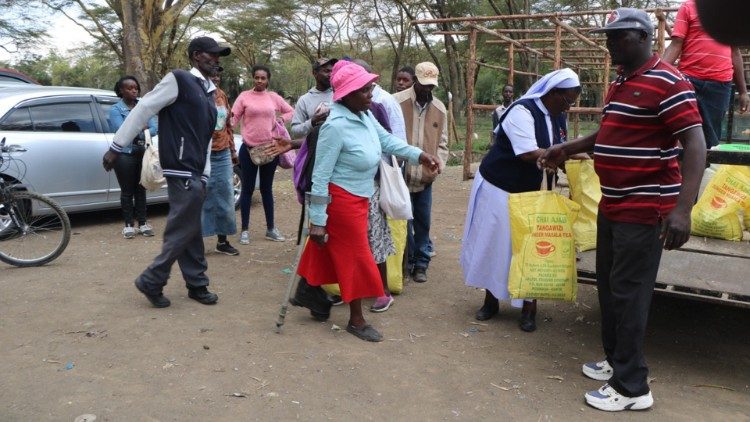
{"x": 543, "y": 265}
{"x": 586, "y": 192}
{"x": 395, "y": 262}
{"x": 717, "y": 213}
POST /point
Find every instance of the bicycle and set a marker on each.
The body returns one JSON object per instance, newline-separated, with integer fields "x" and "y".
{"x": 34, "y": 229}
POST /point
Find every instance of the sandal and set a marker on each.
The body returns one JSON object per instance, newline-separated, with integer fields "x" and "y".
{"x": 365, "y": 332}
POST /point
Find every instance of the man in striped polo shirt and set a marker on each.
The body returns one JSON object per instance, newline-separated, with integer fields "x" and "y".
{"x": 710, "y": 67}
{"x": 647, "y": 196}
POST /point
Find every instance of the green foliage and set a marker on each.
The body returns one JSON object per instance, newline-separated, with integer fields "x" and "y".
{"x": 78, "y": 68}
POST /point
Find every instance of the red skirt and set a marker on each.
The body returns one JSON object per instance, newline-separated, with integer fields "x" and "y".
{"x": 346, "y": 258}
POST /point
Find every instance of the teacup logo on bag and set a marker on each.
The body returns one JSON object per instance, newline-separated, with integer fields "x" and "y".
{"x": 544, "y": 248}
{"x": 718, "y": 202}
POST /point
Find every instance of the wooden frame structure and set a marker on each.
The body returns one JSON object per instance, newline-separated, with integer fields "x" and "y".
{"x": 560, "y": 44}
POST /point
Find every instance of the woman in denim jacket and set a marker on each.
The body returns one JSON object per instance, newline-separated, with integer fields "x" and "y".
{"x": 128, "y": 167}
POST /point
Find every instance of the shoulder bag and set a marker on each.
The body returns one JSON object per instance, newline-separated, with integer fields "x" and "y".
{"x": 152, "y": 177}
{"x": 394, "y": 195}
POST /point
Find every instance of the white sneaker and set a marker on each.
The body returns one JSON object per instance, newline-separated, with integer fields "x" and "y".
{"x": 600, "y": 371}
{"x": 275, "y": 235}
{"x": 146, "y": 230}
{"x": 244, "y": 238}
{"x": 128, "y": 232}
{"x": 609, "y": 400}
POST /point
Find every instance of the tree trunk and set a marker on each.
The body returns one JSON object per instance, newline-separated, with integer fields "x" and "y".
{"x": 132, "y": 45}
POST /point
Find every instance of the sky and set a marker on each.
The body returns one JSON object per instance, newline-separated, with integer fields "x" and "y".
{"x": 64, "y": 34}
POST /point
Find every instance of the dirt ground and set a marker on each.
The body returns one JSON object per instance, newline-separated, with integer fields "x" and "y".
{"x": 77, "y": 338}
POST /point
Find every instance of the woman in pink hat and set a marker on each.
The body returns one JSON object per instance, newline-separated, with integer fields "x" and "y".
{"x": 349, "y": 150}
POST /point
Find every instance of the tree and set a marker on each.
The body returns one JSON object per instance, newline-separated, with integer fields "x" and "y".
{"x": 19, "y": 26}
{"x": 144, "y": 34}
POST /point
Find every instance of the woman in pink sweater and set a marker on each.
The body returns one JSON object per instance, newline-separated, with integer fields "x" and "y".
{"x": 258, "y": 110}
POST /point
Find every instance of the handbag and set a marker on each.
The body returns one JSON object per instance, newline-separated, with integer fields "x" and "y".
{"x": 259, "y": 155}
{"x": 543, "y": 265}
{"x": 152, "y": 177}
{"x": 287, "y": 159}
{"x": 395, "y": 200}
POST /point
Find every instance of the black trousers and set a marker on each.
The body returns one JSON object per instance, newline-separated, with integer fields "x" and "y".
{"x": 627, "y": 261}
{"x": 183, "y": 241}
{"x": 132, "y": 194}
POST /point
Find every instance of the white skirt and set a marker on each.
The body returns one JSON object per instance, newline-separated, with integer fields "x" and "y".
{"x": 486, "y": 245}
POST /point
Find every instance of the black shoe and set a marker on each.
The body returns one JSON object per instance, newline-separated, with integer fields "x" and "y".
{"x": 312, "y": 298}
{"x": 487, "y": 311}
{"x": 528, "y": 317}
{"x": 420, "y": 275}
{"x": 226, "y": 249}
{"x": 157, "y": 300}
{"x": 202, "y": 295}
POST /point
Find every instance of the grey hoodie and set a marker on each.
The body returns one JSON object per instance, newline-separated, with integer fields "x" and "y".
{"x": 304, "y": 110}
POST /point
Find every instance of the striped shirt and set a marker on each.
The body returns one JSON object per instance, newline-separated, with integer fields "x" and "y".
{"x": 702, "y": 57}
{"x": 635, "y": 154}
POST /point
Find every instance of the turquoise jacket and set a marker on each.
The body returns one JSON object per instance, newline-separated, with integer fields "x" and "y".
{"x": 348, "y": 154}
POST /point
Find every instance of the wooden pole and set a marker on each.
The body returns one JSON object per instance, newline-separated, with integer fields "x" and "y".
{"x": 572, "y": 110}
{"x": 451, "y": 139}
{"x": 661, "y": 29}
{"x": 558, "y": 41}
{"x": 511, "y": 64}
{"x": 470, "y": 70}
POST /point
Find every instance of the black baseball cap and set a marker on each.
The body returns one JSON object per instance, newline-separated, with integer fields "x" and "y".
{"x": 207, "y": 44}
{"x": 317, "y": 64}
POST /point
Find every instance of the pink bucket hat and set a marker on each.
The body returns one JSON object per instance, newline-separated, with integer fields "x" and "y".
{"x": 347, "y": 77}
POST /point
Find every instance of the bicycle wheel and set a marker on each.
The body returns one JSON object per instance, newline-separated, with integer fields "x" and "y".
{"x": 34, "y": 231}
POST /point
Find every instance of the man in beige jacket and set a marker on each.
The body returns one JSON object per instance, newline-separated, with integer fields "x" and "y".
{"x": 426, "y": 128}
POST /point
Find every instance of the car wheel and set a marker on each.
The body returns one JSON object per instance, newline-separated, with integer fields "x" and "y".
{"x": 237, "y": 185}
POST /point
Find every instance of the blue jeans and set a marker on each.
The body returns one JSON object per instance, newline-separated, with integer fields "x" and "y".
{"x": 713, "y": 101}
{"x": 418, "y": 231}
{"x": 249, "y": 171}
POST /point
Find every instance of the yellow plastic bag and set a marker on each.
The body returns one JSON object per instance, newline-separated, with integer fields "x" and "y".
{"x": 543, "y": 265}
{"x": 586, "y": 192}
{"x": 394, "y": 262}
{"x": 717, "y": 212}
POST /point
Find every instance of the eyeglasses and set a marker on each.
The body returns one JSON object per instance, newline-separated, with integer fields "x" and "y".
{"x": 568, "y": 101}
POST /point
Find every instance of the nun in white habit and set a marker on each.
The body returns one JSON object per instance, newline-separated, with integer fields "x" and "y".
{"x": 530, "y": 125}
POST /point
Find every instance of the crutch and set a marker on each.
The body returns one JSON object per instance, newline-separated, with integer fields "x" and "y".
{"x": 294, "y": 277}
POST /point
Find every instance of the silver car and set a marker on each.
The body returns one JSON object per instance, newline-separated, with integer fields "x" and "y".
{"x": 64, "y": 132}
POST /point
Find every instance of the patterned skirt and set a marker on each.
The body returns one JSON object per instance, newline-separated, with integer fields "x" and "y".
{"x": 378, "y": 231}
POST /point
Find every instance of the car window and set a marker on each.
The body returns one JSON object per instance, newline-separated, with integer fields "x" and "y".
{"x": 18, "y": 119}
{"x": 63, "y": 117}
{"x": 105, "y": 104}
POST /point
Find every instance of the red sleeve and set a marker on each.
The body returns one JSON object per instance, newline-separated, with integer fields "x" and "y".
{"x": 679, "y": 110}
{"x": 681, "y": 22}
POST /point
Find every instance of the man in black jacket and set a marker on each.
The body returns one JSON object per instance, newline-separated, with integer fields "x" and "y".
{"x": 184, "y": 101}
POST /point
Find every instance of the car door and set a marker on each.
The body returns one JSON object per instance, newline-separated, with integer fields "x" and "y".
{"x": 64, "y": 147}
{"x": 104, "y": 104}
